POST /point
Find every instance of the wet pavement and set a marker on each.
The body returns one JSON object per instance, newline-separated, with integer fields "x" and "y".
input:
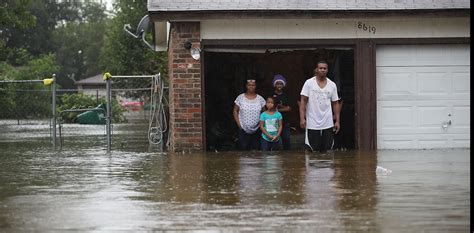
{"x": 90, "y": 190}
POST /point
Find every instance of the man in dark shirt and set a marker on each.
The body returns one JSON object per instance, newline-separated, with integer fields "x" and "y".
{"x": 283, "y": 106}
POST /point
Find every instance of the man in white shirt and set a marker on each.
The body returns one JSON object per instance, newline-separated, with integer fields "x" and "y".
{"x": 318, "y": 101}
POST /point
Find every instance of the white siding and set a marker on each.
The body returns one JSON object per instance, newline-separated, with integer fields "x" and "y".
{"x": 392, "y": 27}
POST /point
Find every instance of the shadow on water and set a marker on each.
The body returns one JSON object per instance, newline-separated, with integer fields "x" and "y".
{"x": 90, "y": 190}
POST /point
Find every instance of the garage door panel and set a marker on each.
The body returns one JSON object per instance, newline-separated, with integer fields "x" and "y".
{"x": 461, "y": 141}
{"x": 422, "y": 83}
{"x": 459, "y": 55}
{"x": 395, "y": 83}
{"x": 419, "y": 142}
{"x": 431, "y": 116}
{"x": 433, "y": 83}
{"x": 396, "y": 116}
{"x": 396, "y": 142}
{"x": 423, "y": 55}
{"x": 419, "y": 90}
{"x": 461, "y": 115}
{"x": 388, "y": 56}
{"x": 461, "y": 84}
{"x": 433, "y": 143}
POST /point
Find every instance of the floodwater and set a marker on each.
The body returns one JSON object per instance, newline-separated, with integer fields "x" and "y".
{"x": 90, "y": 190}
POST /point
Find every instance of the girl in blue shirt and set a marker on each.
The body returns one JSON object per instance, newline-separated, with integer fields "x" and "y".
{"x": 271, "y": 124}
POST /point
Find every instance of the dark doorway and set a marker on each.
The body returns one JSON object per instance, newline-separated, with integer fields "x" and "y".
{"x": 225, "y": 73}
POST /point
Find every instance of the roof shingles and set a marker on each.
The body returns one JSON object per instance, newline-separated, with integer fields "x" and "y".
{"x": 221, "y": 5}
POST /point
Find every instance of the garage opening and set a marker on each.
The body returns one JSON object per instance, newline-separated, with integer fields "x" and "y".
{"x": 225, "y": 72}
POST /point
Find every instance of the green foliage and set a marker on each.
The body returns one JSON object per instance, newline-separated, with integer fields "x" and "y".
{"x": 73, "y": 39}
{"x": 81, "y": 101}
{"x": 27, "y": 100}
{"x": 36, "y": 39}
{"x": 123, "y": 54}
{"x": 78, "y": 45}
{"x": 14, "y": 16}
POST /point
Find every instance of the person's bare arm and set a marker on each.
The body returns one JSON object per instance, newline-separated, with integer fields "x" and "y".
{"x": 303, "y": 102}
{"x": 336, "y": 107}
{"x": 283, "y": 108}
{"x": 235, "y": 112}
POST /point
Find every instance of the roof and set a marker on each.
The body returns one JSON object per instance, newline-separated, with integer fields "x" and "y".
{"x": 307, "y": 5}
{"x": 94, "y": 80}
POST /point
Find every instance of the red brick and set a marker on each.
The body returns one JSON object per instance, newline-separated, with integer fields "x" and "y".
{"x": 194, "y": 110}
{"x": 186, "y": 76}
{"x": 179, "y": 80}
{"x": 185, "y": 88}
{"x": 193, "y": 71}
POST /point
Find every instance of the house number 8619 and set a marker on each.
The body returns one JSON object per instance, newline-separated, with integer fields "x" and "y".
{"x": 365, "y": 27}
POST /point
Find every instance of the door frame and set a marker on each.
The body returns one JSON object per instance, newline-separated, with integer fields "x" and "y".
{"x": 365, "y": 98}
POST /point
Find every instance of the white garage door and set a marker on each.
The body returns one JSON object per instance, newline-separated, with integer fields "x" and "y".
{"x": 423, "y": 96}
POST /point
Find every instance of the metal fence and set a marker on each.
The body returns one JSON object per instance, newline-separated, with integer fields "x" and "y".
{"x": 129, "y": 112}
{"x": 142, "y": 120}
{"x": 25, "y": 111}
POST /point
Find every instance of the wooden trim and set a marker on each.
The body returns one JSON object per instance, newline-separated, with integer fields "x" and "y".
{"x": 323, "y": 43}
{"x": 203, "y": 104}
{"x": 365, "y": 96}
{"x": 197, "y": 15}
{"x": 276, "y": 43}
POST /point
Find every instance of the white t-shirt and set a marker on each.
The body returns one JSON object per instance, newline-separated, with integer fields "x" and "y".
{"x": 249, "y": 112}
{"x": 319, "y": 108}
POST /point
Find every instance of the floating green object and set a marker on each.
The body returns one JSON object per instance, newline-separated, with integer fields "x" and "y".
{"x": 149, "y": 106}
{"x": 95, "y": 116}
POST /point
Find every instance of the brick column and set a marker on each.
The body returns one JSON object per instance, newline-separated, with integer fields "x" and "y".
{"x": 185, "y": 89}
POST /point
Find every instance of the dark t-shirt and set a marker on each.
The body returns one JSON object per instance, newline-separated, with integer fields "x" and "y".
{"x": 283, "y": 100}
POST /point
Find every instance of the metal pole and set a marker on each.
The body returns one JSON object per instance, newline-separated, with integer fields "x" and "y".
{"x": 109, "y": 114}
{"x": 53, "y": 107}
{"x": 160, "y": 122}
{"x": 160, "y": 111}
{"x": 21, "y": 81}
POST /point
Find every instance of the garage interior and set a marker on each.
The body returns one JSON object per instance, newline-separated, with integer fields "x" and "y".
{"x": 225, "y": 72}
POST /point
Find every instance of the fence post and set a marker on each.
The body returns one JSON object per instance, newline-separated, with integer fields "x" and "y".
{"x": 53, "y": 103}
{"x": 109, "y": 113}
{"x": 161, "y": 111}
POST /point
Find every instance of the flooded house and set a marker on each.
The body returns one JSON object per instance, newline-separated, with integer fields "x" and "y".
{"x": 92, "y": 86}
{"x": 402, "y": 67}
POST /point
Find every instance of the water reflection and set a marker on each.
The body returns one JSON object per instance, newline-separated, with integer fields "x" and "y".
{"x": 89, "y": 190}
{"x": 355, "y": 184}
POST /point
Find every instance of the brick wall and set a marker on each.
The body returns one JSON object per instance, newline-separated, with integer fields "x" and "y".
{"x": 185, "y": 89}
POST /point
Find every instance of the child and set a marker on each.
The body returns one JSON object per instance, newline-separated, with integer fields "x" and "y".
{"x": 282, "y": 105}
{"x": 271, "y": 125}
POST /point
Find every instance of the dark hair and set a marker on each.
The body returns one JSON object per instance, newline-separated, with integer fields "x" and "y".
{"x": 270, "y": 97}
{"x": 249, "y": 80}
{"x": 317, "y": 64}
{"x": 321, "y": 62}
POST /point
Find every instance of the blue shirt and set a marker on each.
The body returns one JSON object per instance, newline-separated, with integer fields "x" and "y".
{"x": 270, "y": 123}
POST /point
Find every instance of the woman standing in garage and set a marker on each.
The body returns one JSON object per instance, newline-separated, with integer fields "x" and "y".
{"x": 247, "y": 109}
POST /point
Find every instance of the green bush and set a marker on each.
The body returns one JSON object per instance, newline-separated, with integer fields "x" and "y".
{"x": 81, "y": 101}
{"x": 26, "y": 100}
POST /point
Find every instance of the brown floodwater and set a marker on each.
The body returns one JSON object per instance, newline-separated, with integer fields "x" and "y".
{"x": 91, "y": 190}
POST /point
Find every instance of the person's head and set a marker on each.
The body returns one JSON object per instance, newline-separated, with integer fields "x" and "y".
{"x": 279, "y": 82}
{"x": 270, "y": 103}
{"x": 321, "y": 69}
{"x": 250, "y": 85}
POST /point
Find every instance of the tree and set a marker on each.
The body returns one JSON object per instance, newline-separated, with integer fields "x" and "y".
{"x": 14, "y": 16}
{"x": 123, "y": 54}
{"x": 25, "y": 100}
{"x": 37, "y": 40}
{"x": 78, "y": 44}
